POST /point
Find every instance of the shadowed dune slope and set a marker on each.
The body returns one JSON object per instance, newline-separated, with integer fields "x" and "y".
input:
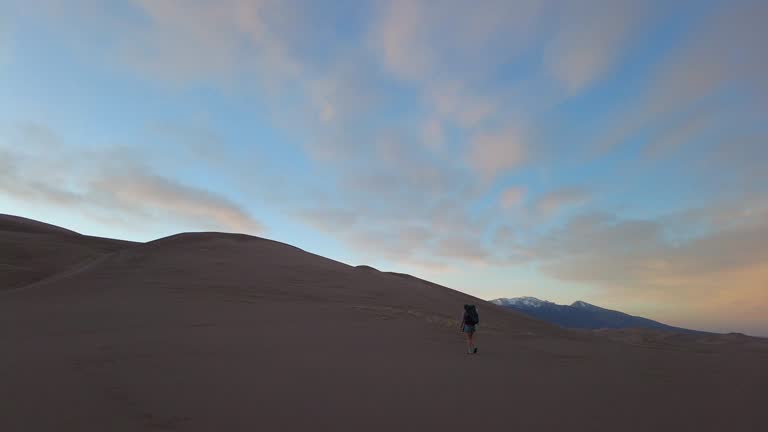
{"x": 33, "y": 251}
{"x": 17, "y": 224}
{"x": 208, "y": 331}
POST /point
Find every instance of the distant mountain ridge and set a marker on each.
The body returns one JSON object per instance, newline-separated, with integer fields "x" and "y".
{"x": 582, "y": 315}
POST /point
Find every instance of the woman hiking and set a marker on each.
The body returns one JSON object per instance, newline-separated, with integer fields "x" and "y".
{"x": 468, "y": 326}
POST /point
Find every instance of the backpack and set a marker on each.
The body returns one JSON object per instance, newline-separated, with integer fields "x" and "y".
{"x": 471, "y": 317}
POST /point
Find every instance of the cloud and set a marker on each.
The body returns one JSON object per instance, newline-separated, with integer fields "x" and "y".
{"x": 555, "y": 201}
{"x": 194, "y": 137}
{"x": 590, "y": 38}
{"x": 512, "y": 197}
{"x": 743, "y": 154}
{"x": 408, "y": 245}
{"x": 720, "y": 53}
{"x": 153, "y": 193}
{"x": 375, "y": 238}
{"x": 447, "y": 55}
{"x": 44, "y": 169}
{"x": 462, "y": 248}
{"x": 183, "y": 41}
{"x": 329, "y": 220}
{"x": 14, "y": 182}
{"x": 636, "y": 260}
{"x": 680, "y": 133}
{"x": 401, "y": 39}
{"x": 345, "y": 90}
{"x": 424, "y": 233}
{"x": 717, "y": 66}
{"x": 432, "y": 134}
{"x": 417, "y": 39}
{"x": 494, "y": 153}
{"x": 5, "y": 42}
{"x": 505, "y": 236}
{"x": 456, "y": 103}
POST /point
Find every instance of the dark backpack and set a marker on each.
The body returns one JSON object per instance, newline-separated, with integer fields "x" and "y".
{"x": 471, "y": 317}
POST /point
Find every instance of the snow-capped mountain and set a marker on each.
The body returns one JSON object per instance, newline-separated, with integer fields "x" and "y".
{"x": 586, "y": 306}
{"x": 520, "y": 301}
{"x": 580, "y": 314}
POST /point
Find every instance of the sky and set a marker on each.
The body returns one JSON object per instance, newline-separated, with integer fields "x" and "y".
{"x": 611, "y": 151}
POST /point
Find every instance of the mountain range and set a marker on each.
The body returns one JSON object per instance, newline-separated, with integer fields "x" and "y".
{"x": 582, "y": 315}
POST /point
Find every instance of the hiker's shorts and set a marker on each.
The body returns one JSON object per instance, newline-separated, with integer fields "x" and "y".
{"x": 469, "y": 328}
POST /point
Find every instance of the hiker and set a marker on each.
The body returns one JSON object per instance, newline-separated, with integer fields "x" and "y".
{"x": 468, "y": 326}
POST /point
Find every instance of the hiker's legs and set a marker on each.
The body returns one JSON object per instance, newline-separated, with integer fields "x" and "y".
{"x": 469, "y": 341}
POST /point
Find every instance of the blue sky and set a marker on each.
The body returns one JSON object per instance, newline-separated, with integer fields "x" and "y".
{"x": 609, "y": 151}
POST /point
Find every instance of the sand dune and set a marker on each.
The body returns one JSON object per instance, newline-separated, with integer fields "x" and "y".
{"x": 33, "y": 251}
{"x": 204, "y": 332}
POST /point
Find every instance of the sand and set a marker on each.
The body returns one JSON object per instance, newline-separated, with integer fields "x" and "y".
{"x": 218, "y": 332}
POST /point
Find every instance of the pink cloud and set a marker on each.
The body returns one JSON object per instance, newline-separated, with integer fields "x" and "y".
{"x": 463, "y": 248}
{"x": 590, "y": 38}
{"x": 154, "y": 193}
{"x": 433, "y": 134}
{"x": 54, "y": 173}
{"x": 512, "y": 197}
{"x": 496, "y": 152}
{"x": 553, "y": 202}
